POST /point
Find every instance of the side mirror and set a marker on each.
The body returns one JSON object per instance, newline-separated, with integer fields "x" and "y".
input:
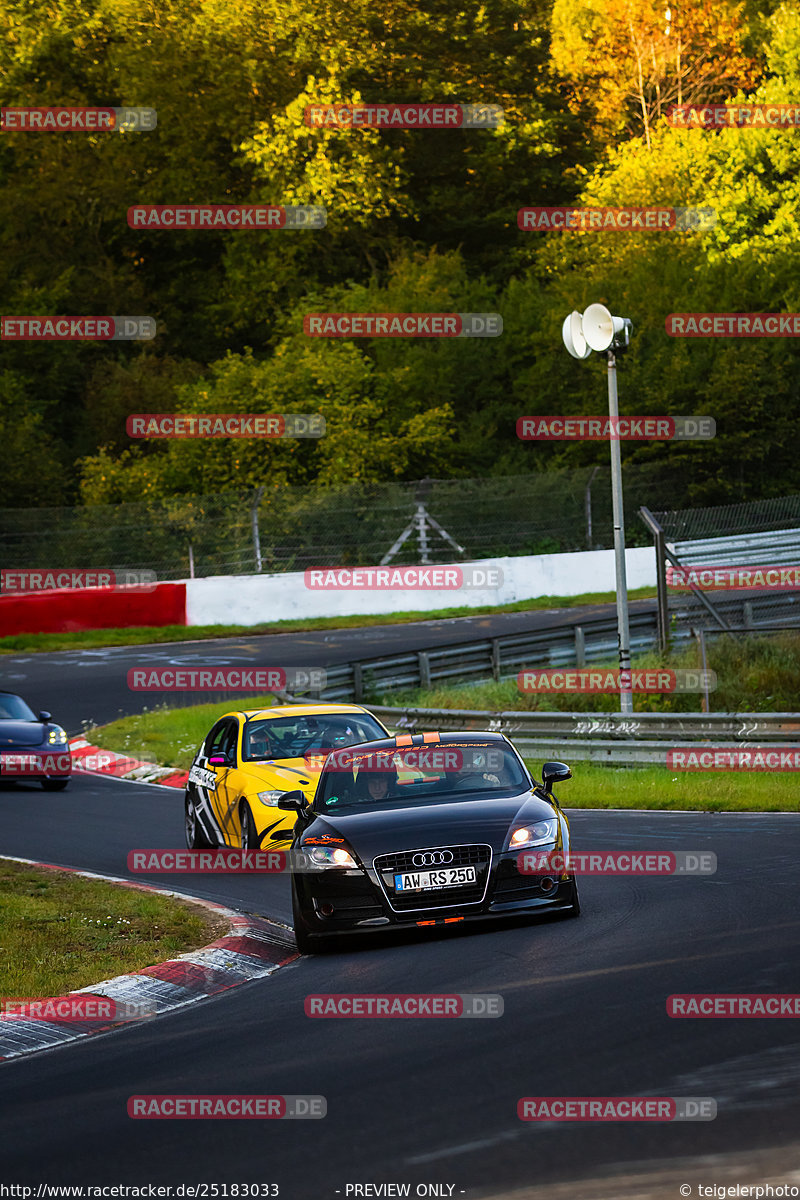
{"x": 44, "y": 717}
{"x": 296, "y": 801}
{"x": 554, "y": 772}
{"x": 220, "y": 760}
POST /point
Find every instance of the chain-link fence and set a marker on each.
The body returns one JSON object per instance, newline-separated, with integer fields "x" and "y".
{"x": 284, "y": 529}
{"x": 684, "y": 525}
{"x": 760, "y": 533}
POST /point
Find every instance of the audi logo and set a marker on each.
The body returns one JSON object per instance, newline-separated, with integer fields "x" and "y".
{"x": 432, "y": 858}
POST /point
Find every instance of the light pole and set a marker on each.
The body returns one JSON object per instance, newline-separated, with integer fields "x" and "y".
{"x": 598, "y": 330}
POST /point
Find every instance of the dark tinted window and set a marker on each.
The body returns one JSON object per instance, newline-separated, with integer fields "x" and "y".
{"x": 293, "y": 737}
{"x": 222, "y": 739}
{"x": 432, "y": 773}
{"x": 14, "y": 708}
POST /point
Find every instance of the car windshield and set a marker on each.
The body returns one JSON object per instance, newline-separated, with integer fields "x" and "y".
{"x": 433, "y": 773}
{"x": 269, "y": 738}
{"x": 14, "y": 708}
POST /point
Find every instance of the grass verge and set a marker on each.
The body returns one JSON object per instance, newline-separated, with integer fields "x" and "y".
{"x": 754, "y": 674}
{"x": 168, "y": 736}
{"x": 85, "y": 639}
{"x": 59, "y": 931}
{"x": 656, "y": 787}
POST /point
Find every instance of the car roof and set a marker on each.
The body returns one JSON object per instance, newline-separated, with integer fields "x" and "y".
{"x": 402, "y": 741}
{"x": 297, "y": 710}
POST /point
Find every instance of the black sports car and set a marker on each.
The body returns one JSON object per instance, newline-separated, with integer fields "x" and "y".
{"x": 31, "y": 746}
{"x": 425, "y": 830}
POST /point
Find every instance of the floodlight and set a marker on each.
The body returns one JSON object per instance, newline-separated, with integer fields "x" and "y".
{"x": 572, "y": 335}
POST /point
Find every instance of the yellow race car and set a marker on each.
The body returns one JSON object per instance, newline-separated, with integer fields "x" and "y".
{"x": 250, "y": 758}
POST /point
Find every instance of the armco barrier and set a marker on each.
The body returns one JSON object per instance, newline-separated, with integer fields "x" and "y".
{"x": 69, "y": 609}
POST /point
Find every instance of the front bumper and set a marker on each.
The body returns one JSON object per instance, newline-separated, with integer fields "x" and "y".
{"x": 353, "y": 901}
{"x": 35, "y": 762}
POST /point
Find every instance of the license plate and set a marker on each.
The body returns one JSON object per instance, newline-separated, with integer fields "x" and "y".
{"x": 418, "y": 881}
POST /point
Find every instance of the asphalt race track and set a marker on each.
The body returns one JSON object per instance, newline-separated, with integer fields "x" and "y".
{"x": 428, "y": 1101}
{"x": 432, "y": 1100}
{"x": 91, "y": 685}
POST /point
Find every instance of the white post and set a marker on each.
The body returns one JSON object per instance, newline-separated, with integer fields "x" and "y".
{"x": 625, "y": 695}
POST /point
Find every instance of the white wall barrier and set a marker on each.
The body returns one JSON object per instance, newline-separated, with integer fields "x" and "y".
{"x": 254, "y": 599}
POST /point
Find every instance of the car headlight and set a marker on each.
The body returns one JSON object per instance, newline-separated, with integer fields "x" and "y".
{"x": 329, "y": 856}
{"x": 270, "y": 797}
{"x": 536, "y": 834}
{"x": 57, "y": 737}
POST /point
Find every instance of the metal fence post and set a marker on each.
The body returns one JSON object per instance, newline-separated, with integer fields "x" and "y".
{"x": 424, "y": 669}
{"x": 256, "y": 535}
{"x": 580, "y": 646}
{"x": 661, "y": 577}
{"x": 358, "y": 683}
{"x": 496, "y": 659}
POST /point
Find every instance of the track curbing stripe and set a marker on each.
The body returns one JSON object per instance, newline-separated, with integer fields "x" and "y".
{"x": 252, "y": 949}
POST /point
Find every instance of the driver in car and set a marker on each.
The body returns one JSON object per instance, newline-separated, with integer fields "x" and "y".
{"x": 258, "y": 743}
{"x": 472, "y": 774}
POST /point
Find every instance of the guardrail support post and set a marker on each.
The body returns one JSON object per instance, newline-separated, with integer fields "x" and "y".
{"x": 424, "y": 669}
{"x": 358, "y": 683}
{"x": 580, "y": 646}
{"x": 496, "y": 659}
{"x": 747, "y": 614}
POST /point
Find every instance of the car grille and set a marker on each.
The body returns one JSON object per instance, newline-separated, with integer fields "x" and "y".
{"x": 454, "y": 897}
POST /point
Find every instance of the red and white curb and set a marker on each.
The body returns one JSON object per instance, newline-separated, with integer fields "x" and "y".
{"x": 252, "y": 949}
{"x": 91, "y": 760}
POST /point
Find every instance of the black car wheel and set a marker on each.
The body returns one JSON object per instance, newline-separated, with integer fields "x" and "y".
{"x": 307, "y": 943}
{"x": 195, "y": 838}
{"x": 575, "y": 911}
{"x": 54, "y": 785}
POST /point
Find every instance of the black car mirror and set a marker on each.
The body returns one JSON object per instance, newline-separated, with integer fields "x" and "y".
{"x": 554, "y": 772}
{"x": 296, "y": 801}
{"x": 44, "y": 717}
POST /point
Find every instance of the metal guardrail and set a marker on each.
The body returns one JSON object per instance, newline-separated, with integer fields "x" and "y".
{"x": 773, "y": 547}
{"x": 621, "y": 739}
{"x": 574, "y": 643}
{"x": 613, "y": 738}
